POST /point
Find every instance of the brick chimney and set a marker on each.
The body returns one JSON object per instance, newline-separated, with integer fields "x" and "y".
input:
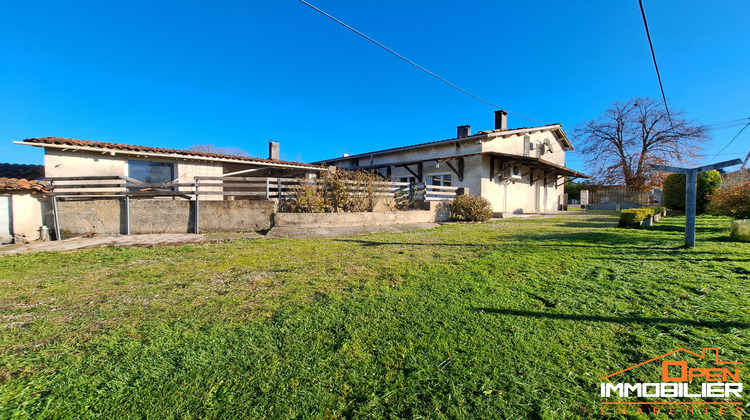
{"x": 501, "y": 120}
{"x": 463, "y": 131}
{"x": 273, "y": 150}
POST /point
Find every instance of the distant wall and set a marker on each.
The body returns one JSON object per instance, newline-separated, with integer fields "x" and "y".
{"x": 107, "y": 217}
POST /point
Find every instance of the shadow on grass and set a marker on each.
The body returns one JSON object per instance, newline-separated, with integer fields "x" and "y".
{"x": 619, "y": 320}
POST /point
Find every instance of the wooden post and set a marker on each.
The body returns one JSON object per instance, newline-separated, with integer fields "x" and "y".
{"x": 278, "y": 182}
{"x": 691, "y": 187}
{"x": 268, "y": 188}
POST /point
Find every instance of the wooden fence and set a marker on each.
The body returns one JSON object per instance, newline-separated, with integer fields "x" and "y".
{"x": 618, "y": 195}
{"x": 221, "y": 188}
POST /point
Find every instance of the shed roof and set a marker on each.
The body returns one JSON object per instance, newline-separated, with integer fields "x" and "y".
{"x": 17, "y": 170}
{"x": 87, "y": 145}
{"x": 21, "y": 185}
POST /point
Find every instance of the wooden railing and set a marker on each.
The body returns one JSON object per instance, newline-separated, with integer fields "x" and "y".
{"x": 221, "y": 188}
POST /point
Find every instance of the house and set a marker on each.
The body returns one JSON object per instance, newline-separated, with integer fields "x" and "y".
{"x": 22, "y": 202}
{"x": 110, "y": 188}
{"x": 64, "y": 157}
{"x": 519, "y": 170}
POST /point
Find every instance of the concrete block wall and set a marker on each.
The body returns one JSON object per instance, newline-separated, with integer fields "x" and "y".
{"x": 107, "y": 217}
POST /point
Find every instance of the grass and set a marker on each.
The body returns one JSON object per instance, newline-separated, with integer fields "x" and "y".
{"x": 513, "y": 319}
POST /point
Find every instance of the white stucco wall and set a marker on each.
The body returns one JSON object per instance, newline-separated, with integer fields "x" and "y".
{"x": 6, "y": 229}
{"x": 58, "y": 163}
{"x": 20, "y": 215}
{"x": 517, "y": 196}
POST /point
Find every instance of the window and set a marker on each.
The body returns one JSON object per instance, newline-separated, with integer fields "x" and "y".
{"x": 409, "y": 179}
{"x": 443, "y": 180}
{"x": 151, "y": 172}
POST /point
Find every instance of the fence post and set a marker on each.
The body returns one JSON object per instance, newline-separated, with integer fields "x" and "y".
{"x": 56, "y": 217}
{"x": 197, "y": 207}
{"x": 127, "y": 215}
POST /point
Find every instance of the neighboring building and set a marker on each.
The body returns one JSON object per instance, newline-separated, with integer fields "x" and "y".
{"x": 518, "y": 170}
{"x": 20, "y": 171}
{"x": 22, "y": 205}
{"x": 65, "y": 157}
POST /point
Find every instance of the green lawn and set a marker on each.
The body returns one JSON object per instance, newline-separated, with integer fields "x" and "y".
{"x": 514, "y": 319}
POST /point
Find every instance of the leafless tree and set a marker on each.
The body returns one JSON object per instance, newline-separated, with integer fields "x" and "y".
{"x": 628, "y": 137}
{"x": 210, "y": 148}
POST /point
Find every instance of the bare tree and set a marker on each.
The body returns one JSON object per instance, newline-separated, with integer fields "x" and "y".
{"x": 628, "y": 137}
{"x": 210, "y": 148}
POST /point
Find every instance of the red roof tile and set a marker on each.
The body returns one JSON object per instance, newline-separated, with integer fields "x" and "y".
{"x": 135, "y": 148}
{"x": 15, "y": 184}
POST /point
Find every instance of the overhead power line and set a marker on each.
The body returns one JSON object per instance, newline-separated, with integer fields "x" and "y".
{"x": 656, "y": 66}
{"x": 411, "y": 62}
{"x": 730, "y": 141}
{"x": 728, "y": 124}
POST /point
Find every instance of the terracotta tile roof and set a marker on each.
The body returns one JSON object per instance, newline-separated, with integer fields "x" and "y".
{"x": 16, "y": 170}
{"x": 135, "y": 148}
{"x": 15, "y": 184}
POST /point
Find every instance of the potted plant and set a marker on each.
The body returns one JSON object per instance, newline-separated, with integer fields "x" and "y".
{"x": 734, "y": 202}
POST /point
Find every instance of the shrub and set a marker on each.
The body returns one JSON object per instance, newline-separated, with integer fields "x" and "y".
{"x": 674, "y": 190}
{"x": 631, "y": 217}
{"x": 471, "y": 208}
{"x": 733, "y": 202}
{"x": 340, "y": 191}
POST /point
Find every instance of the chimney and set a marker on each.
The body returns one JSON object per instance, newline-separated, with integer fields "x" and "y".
{"x": 463, "y": 131}
{"x": 273, "y": 150}
{"x": 501, "y": 120}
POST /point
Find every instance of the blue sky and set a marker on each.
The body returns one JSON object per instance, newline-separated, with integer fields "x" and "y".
{"x": 236, "y": 74}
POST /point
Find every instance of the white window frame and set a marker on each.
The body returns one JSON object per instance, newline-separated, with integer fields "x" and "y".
{"x": 410, "y": 179}
{"x": 442, "y": 176}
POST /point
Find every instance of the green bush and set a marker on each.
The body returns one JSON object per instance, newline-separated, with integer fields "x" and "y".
{"x": 657, "y": 209}
{"x": 632, "y": 217}
{"x": 471, "y": 208}
{"x": 674, "y": 190}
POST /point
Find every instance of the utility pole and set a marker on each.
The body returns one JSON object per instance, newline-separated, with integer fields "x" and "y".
{"x": 744, "y": 162}
{"x": 691, "y": 186}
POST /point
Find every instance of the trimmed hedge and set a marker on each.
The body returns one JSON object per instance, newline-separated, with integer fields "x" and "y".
{"x": 631, "y": 217}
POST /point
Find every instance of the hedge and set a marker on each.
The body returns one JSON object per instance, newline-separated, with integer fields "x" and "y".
{"x": 631, "y": 217}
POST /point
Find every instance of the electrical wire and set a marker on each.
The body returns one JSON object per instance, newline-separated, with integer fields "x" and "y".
{"x": 730, "y": 142}
{"x": 656, "y": 66}
{"x": 411, "y": 62}
{"x": 728, "y": 124}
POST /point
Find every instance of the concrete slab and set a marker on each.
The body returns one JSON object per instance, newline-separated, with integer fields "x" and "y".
{"x": 337, "y": 232}
{"x": 123, "y": 241}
